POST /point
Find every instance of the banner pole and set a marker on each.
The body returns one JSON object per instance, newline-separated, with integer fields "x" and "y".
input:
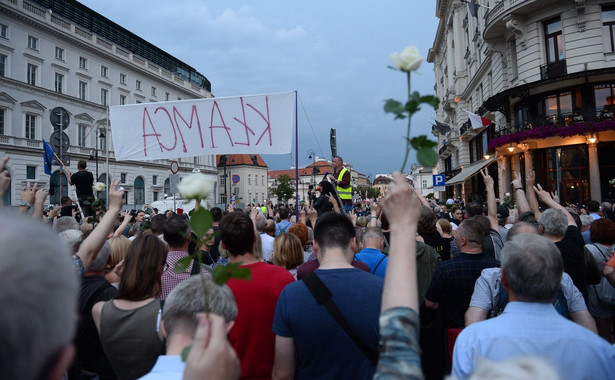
{"x": 296, "y": 159}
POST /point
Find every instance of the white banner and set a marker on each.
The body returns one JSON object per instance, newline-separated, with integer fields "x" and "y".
{"x": 256, "y": 124}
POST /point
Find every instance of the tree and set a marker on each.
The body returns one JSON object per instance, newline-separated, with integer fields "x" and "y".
{"x": 372, "y": 192}
{"x": 285, "y": 187}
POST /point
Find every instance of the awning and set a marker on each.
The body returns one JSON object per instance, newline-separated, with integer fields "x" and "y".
{"x": 469, "y": 171}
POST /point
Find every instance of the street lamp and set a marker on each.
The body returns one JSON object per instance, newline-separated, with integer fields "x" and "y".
{"x": 102, "y": 135}
{"x": 312, "y": 155}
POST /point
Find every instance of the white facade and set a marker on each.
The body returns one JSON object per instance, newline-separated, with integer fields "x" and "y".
{"x": 528, "y": 66}
{"x": 49, "y": 61}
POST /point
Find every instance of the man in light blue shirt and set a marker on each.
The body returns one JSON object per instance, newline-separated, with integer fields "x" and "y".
{"x": 532, "y": 269}
{"x": 371, "y": 254}
{"x": 179, "y": 321}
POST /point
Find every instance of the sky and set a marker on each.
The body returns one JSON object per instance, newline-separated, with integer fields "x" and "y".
{"x": 336, "y": 54}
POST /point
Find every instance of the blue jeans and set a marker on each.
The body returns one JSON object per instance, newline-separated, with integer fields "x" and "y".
{"x": 348, "y": 208}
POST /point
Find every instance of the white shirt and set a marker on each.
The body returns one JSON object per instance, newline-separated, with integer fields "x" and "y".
{"x": 267, "y": 244}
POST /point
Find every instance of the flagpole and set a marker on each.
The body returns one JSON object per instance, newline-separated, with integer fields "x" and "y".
{"x": 296, "y": 159}
{"x": 107, "y": 157}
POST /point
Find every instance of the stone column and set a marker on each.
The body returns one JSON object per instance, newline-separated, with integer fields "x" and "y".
{"x": 503, "y": 176}
{"x": 594, "y": 172}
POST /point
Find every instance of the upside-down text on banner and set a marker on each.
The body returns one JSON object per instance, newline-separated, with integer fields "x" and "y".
{"x": 260, "y": 124}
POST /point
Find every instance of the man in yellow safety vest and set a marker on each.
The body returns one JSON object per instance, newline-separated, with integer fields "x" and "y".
{"x": 342, "y": 179}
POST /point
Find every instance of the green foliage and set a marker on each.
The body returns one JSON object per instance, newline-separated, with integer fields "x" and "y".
{"x": 222, "y": 273}
{"x": 201, "y": 221}
{"x": 285, "y": 188}
{"x": 372, "y": 192}
{"x": 182, "y": 264}
{"x": 424, "y": 150}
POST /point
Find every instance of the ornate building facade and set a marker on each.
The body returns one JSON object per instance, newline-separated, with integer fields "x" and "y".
{"x": 543, "y": 71}
{"x": 62, "y": 55}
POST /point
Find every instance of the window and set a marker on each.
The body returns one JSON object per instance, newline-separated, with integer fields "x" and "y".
{"x": 30, "y": 126}
{"x": 154, "y": 180}
{"x": 30, "y": 172}
{"x": 138, "y": 85}
{"x": 263, "y": 180}
{"x": 104, "y": 71}
{"x": 59, "y": 83}
{"x": 31, "y": 74}
{"x": 82, "y": 132}
{"x": 155, "y": 196}
{"x": 222, "y": 181}
{"x": 424, "y": 184}
{"x": 123, "y": 178}
{"x": 167, "y": 186}
{"x": 83, "y": 89}
{"x": 249, "y": 179}
{"x": 104, "y": 93}
{"x": 608, "y": 29}
{"x": 167, "y": 96}
{"x": 2, "y": 113}
{"x": 123, "y": 78}
{"x": 122, "y": 100}
{"x": 4, "y": 31}
{"x": 154, "y": 91}
{"x": 604, "y": 96}
{"x": 102, "y": 142}
{"x": 83, "y": 62}
{"x": 139, "y": 191}
{"x": 3, "y": 59}
{"x": 59, "y": 53}
{"x": 553, "y": 40}
{"x": 138, "y": 102}
{"x": 33, "y": 43}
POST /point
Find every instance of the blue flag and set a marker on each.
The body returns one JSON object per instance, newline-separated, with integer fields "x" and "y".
{"x": 47, "y": 157}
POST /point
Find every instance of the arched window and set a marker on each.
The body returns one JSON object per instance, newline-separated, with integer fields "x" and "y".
{"x": 55, "y": 192}
{"x": 139, "y": 192}
{"x": 167, "y": 187}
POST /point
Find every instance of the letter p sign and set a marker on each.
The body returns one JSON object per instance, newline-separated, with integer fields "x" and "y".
{"x": 438, "y": 180}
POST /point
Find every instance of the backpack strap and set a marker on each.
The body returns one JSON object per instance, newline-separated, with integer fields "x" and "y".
{"x": 322, "y": 294}
{"x": 379, "y": 262}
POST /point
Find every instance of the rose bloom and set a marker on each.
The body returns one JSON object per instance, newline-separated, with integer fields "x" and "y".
{"x": 196, "y": 185}
{"x": 408, "y": 60}
{"x": 99, "y": 187}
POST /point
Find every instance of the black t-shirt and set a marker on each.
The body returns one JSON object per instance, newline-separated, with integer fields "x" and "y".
{"x": 571, "y": 248}
{"x": 83, "y": 181}
{"x": 434, "y": 240}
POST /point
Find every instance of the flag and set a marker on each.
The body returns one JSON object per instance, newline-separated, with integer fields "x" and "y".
{"x": 441, "y": 127}
{"x": 47, "y": 157}
{"x": 477, "y": 120}
{"x": 472, "y": 8}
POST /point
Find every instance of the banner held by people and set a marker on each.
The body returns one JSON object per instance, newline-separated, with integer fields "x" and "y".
{"x": 261, "y": 124}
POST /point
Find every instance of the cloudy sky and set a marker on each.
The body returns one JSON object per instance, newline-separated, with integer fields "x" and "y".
{"x": 334, "y": 53}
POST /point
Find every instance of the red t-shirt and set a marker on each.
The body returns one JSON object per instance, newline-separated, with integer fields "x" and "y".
{"x": 251, "y": 336}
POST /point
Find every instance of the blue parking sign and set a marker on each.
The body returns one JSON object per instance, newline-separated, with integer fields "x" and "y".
{"x": 439, "y": 180}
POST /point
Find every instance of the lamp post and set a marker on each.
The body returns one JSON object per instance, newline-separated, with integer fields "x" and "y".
{"x": 312, "y": 155}
{"x": 102, "y": 135}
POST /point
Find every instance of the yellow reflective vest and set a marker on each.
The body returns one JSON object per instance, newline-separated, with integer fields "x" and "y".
{"x": 344, "y": 192}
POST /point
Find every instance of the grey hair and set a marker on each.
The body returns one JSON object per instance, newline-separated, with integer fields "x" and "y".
{"x": 187, "y": 299}
{"x": 261, "y": 222}
{"x": 607, "y": 206}
{"x": 516, "y": 368}
{"x": 65, "y": 223}
{"x": 373, "y": 233}
{"x": 100, "y": 262}
{"x": 586, "y": 220}
{"x": 554, "y": 222}
{"x": 72, "y": 237}
{"x": 533, "y": 266}
{"x": 39, "y": 293}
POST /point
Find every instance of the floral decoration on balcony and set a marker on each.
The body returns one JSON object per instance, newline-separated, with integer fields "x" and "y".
{"x": 550, "y": 131}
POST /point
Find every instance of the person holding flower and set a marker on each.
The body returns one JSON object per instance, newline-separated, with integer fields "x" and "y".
{"x": 83, "y": 181}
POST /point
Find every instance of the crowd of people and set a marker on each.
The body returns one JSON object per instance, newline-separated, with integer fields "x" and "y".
{"x": 412, "y": 289}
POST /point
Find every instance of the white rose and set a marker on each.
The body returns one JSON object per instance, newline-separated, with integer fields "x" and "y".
{"x": 99, "y": 187}
{"x": 408, "y": 60}
{"x": 507, "y": 195}
{"x": 196, "y": 185}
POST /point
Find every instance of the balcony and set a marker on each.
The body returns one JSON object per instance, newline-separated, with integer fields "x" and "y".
{"x": 553, "y": 70}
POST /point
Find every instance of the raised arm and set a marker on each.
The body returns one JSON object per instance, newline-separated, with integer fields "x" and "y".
{"x": 39, "y": 200}
{"x": 546, "y": 198}
{"x": 5, "y": 179}
{"x": 120, "y": 230}
{"x": 94, "y": 242}
{"x": 530, "y": 179}
{"x": 402, "y": 207}
{"x": 491, "y": 205}
{"x": 520, "y": 198}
